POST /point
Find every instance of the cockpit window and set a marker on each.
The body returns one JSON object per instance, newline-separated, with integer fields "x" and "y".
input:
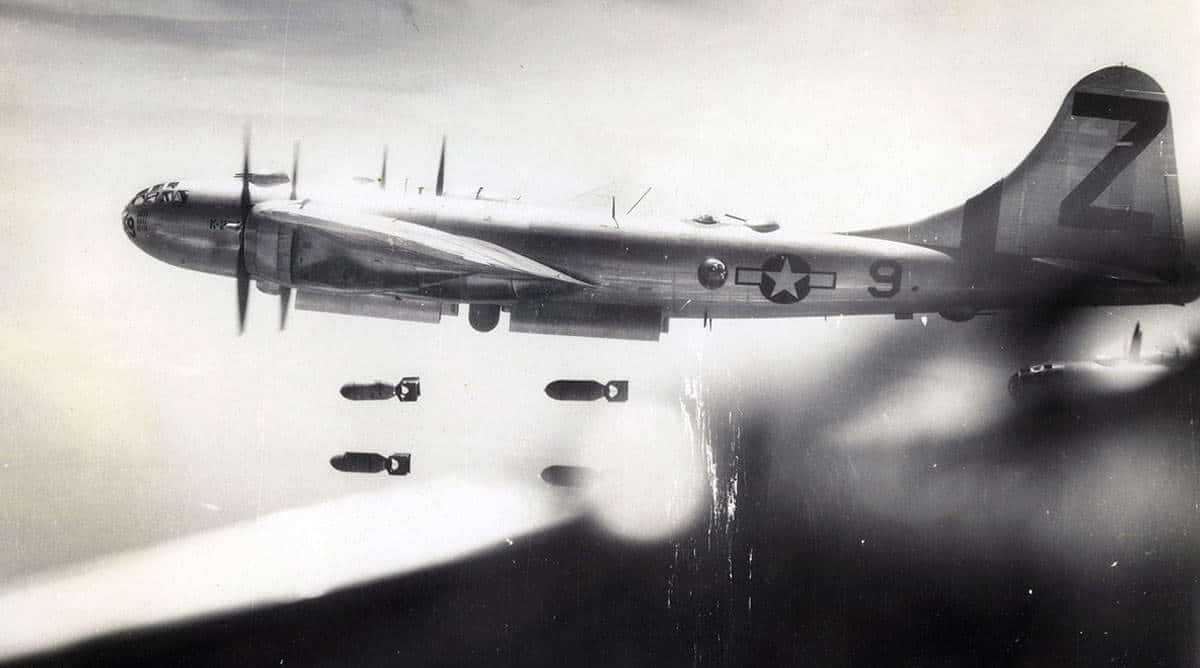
{"x": 163, "y": 193}
{"x": 172, "y": 197}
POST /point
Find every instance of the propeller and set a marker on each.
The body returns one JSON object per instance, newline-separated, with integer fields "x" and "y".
{"x": 441, "y": 177}
{"x": 295, "y": 167}
{"x": 245, "y": 207}
{"x": 383, "y": 170}
{"x": 243, "y": 273}
{"x": 380, "y": 180}
{"x": 285, "y": 291}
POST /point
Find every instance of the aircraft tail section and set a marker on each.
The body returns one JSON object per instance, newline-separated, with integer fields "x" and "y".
{"x": 1098, "y": 194}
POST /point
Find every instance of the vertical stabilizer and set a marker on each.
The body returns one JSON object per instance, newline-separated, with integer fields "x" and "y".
{"x": 1097, "y": 194}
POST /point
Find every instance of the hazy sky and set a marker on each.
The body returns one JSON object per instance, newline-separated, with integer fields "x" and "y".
{"x": 134, "y": 412}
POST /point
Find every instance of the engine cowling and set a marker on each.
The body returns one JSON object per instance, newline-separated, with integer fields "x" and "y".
{"x": 959, "y": 313}
{"x": 269, "y": 251}
{"x": 490, "y": 289}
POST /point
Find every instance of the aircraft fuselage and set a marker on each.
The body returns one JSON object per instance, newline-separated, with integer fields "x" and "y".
{"x": 686, "y": 268}
{"x": 1091, "y": 217}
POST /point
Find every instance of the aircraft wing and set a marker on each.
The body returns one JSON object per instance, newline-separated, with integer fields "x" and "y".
{"x": 416, "y": 246}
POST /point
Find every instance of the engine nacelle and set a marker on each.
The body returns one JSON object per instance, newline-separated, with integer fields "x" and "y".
{"x": 269, "y": 252}
{"x": 490, "y": 289}
{"x": 609, "y": 321}
{"x": 959, "y": 313}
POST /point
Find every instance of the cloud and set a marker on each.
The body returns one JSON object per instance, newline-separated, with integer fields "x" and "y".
{"x": 306, "y": 26}
{"x": 284, "y": 556}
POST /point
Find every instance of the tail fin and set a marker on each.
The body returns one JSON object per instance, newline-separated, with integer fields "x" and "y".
{"x": 1098, "y": 193}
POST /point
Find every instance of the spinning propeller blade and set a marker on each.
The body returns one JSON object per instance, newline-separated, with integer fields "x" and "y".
{"x": 383, "y": 170}
{"x": 285, "y": 292}
{"x": 295, "y": 167}
{"x": 243, "y": 273}
{"x": 441, "y": 177}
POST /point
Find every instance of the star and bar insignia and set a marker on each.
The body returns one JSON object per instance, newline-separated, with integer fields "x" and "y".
{"x": 786, "y": 279}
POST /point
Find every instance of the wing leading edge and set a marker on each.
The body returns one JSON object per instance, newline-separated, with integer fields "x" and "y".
{"x": 357, "y": 252}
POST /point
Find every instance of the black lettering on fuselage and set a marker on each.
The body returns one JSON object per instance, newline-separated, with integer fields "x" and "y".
{"x": 886, "y": 272}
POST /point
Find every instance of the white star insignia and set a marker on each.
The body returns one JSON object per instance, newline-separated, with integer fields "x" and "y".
{"x": 785, "y": 280}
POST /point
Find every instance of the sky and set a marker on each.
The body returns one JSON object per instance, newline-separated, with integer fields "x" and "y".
{"x": 137, "y": 416}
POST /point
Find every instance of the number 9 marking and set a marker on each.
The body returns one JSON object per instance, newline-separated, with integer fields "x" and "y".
{"x": 886, "y": 272}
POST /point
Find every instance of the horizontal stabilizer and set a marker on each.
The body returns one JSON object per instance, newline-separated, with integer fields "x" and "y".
{"x": 1099, "y": 270}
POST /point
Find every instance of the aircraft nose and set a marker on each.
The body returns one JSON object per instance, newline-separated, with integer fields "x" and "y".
{"x": 129, "y": 223}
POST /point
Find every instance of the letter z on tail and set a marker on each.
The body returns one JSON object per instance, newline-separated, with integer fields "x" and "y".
{"x": 1091, "y": 216}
